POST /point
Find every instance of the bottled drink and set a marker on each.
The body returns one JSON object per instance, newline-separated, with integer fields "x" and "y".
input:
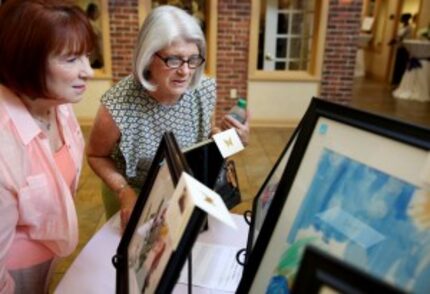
{"x": 238, "y": 112}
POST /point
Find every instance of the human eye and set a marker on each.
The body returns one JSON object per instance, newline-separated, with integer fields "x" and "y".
{"x": 173, "y": 61}
{"x": 71, "y": 58}
{"x": 195, "y": 60}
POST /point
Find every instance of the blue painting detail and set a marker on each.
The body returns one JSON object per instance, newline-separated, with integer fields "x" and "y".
{"x": 365, "y": 211}
{"x": 323, "y": 129}
{"x": 278, "y": 285}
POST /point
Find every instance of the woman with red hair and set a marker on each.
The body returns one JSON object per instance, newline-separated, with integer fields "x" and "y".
{"x": 44, "y": 48}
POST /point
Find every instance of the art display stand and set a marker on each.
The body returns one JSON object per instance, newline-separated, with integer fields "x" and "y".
{"x": 92, "y": 270}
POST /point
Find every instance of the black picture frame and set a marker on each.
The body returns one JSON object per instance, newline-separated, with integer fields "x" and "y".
{"x": 205, "y": 161}
{"x": 147, "y": 260}
{"x": 386, "y": 148}
{"x": 211, "y": 169}
{"x": 319, "y": 270}
{"x": 264, "y": 197}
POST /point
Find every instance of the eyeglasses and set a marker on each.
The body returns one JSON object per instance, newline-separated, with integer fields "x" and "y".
{"x": 194, "y": 61}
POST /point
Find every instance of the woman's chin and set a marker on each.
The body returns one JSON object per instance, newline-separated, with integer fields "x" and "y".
{"x": 177, "y": 92}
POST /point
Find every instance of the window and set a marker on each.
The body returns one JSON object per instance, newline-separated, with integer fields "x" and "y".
{"x": 287, "y": 35}
{"x": 288, "y": 38}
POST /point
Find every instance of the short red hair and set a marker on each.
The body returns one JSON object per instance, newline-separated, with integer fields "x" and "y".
{"x": 31, "y": 31}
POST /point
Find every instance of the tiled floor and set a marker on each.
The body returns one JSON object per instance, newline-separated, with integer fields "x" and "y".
{"x": 376, "y": 97}
{"x": 253, "y": 164}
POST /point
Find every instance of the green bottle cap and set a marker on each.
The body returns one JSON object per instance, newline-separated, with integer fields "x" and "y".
{"x": 241, "y": 103}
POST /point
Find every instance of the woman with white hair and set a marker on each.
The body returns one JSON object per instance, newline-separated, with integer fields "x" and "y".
{"x": 166, "y": 92}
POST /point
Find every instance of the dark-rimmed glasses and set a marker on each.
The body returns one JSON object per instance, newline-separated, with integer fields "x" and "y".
{"x": 194, "y": 61}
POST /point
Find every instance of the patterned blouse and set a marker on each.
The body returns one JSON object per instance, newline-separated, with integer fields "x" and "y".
{"x": 142, "y": 122}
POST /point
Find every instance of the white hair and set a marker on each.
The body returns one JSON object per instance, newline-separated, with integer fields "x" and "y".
{"x": 163, "y": 26}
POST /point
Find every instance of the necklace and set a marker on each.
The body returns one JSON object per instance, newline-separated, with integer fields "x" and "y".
{"x": 44, "y": 122}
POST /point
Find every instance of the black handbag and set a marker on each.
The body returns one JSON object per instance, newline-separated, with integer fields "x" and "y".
{"x": 227, "y": 184}
{"x": 210, "y": 168}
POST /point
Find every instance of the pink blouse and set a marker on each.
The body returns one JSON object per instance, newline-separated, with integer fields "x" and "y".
{"x": 36, "y": 194}
{"x": 66, "y": 165}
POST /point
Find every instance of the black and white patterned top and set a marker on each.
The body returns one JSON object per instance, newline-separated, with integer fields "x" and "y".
{"x": 142, "y": 122}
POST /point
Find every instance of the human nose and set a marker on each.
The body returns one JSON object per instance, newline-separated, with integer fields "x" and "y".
{"x": 86, "y": 69}
{"x": 184, "y": 68}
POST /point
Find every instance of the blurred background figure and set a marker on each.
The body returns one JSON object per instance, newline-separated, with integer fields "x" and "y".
{"x": 402, "y": 56}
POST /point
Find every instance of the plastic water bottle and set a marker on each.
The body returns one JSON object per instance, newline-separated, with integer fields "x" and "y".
{"x": 238, "y": 112}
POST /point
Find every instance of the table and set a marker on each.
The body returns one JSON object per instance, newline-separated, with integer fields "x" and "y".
{"x": 363, "y": 41}
{"x": 93, "y": 271}
{"x": 415, "y": 83}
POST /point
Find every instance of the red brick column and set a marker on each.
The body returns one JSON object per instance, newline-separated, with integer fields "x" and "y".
{"x": 124, "y": 27}
{"x": 343, "y": 27}
{"x": 232, "y": 51}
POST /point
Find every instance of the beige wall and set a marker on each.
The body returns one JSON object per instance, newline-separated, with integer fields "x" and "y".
{"x": 87, "y": 108}
{"x": 274, "y": 103}
{"x": 279, "y": 103}
{"x": 424, "y": 18}
{"x": 410, "y": 6}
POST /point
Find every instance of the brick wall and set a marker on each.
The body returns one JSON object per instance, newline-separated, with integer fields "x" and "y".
{"x": 341, "y": 45}
{"x": 233, "y": 42}
{"x": 124, "y": 27}
{"x": 232, "y": 52}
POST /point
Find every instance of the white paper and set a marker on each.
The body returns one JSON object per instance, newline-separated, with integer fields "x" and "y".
{"x": 367, "y": 23}
{"x": 206, "y": 199}
{"x": 228, "y": 142}
{"x": 214, "y": 267}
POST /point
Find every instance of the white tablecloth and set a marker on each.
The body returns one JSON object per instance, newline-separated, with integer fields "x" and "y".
{"x": 415, "y": 83}
{"x": 93, "y": 271}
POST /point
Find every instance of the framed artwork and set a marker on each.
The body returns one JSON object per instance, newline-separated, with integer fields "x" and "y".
{"x": 264, "y": 197}
{"x": 97, "y": 13}
{"x": 357, "y": 185}
{"x": 162, "y": 228}
{"x": 320, "y": 272}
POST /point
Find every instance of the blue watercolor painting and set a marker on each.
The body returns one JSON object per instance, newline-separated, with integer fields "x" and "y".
{"x": 366, "y": 217}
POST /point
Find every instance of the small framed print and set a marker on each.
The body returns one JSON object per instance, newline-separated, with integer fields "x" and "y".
{"x": 162, "y": 228}
{"x": 357, "y": 185}
{"x": 320, "y": 272}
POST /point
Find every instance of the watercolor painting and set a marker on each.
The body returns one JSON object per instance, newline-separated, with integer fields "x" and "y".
{"x": 375, "y": 221}
{"x": 267, "y": 192}
{"x": 150, "y": 246}
{"x": 266, "y": 197}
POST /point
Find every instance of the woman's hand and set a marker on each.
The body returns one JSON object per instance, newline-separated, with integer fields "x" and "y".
{"x": 127, "y": 198}
{"x": 242, "y": 129}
